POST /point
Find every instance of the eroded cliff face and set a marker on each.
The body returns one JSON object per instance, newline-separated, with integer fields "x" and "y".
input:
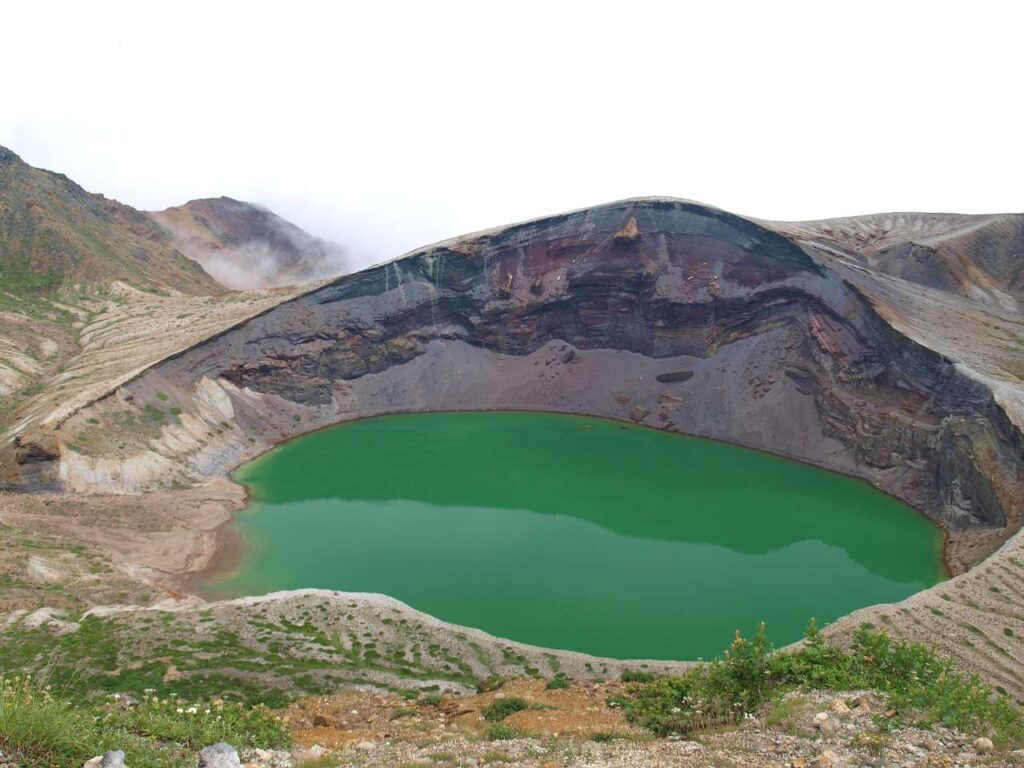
{"x": 667, "y": 313}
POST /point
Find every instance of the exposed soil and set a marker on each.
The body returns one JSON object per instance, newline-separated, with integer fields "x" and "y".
{"x": 163, "y": 539}
{"x": 577, "y": 727}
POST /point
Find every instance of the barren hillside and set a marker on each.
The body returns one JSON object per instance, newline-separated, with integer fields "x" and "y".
{"x": 246, "y": 246}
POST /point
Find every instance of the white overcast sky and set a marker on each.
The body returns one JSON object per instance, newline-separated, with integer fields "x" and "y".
{"x": 385, "y": 126}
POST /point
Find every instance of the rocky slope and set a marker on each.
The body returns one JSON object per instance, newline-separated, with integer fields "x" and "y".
{"x": 55, "y": 234}
{"x": 93, "y": 291}
{"x": 246, "y": 246}
{"x": 671, "y": 314}
{"x": 977, "y": 257}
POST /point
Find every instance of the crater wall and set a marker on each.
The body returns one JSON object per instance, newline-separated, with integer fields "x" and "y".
{"x": 662, "y": 312}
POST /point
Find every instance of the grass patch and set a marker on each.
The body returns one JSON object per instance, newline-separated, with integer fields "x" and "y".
{"x": 47, "y": 730}
{"x": 443, "y": 757}
{"x": 875, "y": 743}
{"x": 156, "y": 415}
{"x": 498, "y": 757}
{"x": 636, "y": 676}
{"x": 502, "y": 732}
{"x": 783, "y": 712}
{"x": 120, "y": 434}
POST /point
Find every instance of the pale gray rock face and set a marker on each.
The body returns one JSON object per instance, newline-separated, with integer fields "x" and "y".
{"x": 220, "y": 755}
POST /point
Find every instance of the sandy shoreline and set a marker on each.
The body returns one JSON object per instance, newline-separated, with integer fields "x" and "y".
{"x": 170, "y": 540}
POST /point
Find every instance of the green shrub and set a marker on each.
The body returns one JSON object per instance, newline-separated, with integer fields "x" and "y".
{"x": 636, "y": 676}
{"x": 559, "y": 681}
{"x": 499, "y": 709}
{"x": 492, "y": 683}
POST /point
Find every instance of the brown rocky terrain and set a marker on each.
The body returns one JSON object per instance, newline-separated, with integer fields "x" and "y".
{"x": 577, "y": 727}
{"x": 977, "y": 257}
{"x": 93, "y": 291}
{"x": 55, "y": 234}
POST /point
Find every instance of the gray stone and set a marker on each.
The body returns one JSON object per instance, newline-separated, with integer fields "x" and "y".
{"x": 112, "y": 759}
{"x": 219, "y": 756}
{"x": 983, "y": 745}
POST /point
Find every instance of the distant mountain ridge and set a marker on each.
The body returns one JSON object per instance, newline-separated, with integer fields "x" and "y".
{"x": 979, "y": 257}
{"x": 243, "y": 245}
{"x": 54, "y": 234}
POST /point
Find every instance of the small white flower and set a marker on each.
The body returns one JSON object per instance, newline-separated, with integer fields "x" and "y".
{"x": 180, "y": 710}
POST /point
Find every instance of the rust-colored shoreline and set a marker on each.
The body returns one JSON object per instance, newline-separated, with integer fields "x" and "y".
{"x": 231, "y": 549}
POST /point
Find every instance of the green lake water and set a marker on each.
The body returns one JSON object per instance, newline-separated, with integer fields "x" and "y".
{"x": 576, "y": 533}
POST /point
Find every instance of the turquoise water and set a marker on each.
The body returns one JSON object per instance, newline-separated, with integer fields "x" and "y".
{"x": 576, "y": 533}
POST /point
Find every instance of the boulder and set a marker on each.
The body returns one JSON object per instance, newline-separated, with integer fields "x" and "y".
{"x": 112, "y": 759}
{"x": 220, "y": 755}
{"x": 838, "y": 707}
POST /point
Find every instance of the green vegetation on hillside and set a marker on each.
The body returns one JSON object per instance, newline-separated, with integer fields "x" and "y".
{"x": 922, "y": 688}
{"x": 78, "y": 705}
{"x": 54, "y": 234}
{"x": 45, "y": 729}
